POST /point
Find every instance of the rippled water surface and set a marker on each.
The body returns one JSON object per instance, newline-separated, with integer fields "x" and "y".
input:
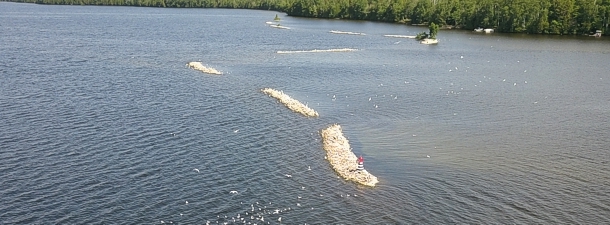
{"x": 101, "y": 122}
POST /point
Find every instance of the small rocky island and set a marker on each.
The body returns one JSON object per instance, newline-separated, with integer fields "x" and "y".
{"x": 342, "y": 159}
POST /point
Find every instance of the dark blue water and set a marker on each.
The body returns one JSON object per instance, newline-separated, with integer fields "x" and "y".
{"x": 102, "y": 123}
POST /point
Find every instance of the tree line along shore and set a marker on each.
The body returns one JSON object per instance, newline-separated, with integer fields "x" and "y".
{"x": 508, "y": 16}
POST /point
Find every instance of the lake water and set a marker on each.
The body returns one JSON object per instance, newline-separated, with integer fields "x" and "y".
{"x": 516, "y": 126}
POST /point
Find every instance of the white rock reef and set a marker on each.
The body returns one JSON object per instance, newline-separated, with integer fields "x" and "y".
{"x": 291, "y": 103}
{"x": 342, "y": 159}
{"x": 199, "y": 66}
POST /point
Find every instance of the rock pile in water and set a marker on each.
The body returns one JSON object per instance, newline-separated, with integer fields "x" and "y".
{"x": 399, "y": 36}
{"x": 346, "y": 32}
{"x": 291, "y": 103}
{"x": 319, "y": 50}
{"x": 279, "y": 26}
{"x": 199, "y": 66}
{"x": 342, "y": 159}
{"x": 429, "y": 41}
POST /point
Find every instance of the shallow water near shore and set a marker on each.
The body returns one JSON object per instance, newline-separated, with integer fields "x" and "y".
{"x": 101, "y": 122}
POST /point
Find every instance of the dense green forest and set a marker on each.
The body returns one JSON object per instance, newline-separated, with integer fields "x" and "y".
{"x": 529, "y": 16}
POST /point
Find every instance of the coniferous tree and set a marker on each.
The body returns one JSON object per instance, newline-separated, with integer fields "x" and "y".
{"x": 539, "y": 16}
{"x": 433, "y": 30}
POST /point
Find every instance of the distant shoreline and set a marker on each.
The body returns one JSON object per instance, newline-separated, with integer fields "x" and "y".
{"x": 531, "y": 17}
